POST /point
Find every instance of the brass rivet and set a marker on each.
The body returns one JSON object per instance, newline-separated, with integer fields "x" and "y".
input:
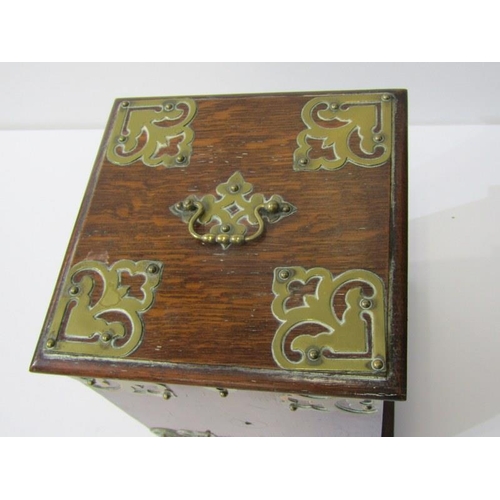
{"x": 367, "y": 403}
{"x": 272, "y": 206}
{"x": 313, "y": 354}
{"x": 223, "y": 393}
{"x": 74, "y": 290}
{"x": 234, "y": 188}
{"x": 284, "y": 274}
{"x": 293, "y": 407}
{"x": 152, "y": 269}
{"x": 179, "y": 205}
{"x": 50, "y": 343}
{"x": 122, "y": 139}
{"x": 386, "y": 97}
{"x": 169, "y": 107}
{"x": 188, "y": 204}
{"x": 285, "y": 208}
{"x": 377, "y": 364}
{"x": 125, "y": 104}
{"x": 180, "y": 159}
{"x": 378, "y": 138}
{"x": 303, "y": 161}
{"x": 225, "y": 228}
{"x": 90, "y": 381}
{"x": 334, "y": 106}
{"x": 222, "y": 238}
{"x": 106, "y": 337}
{"x": 366, "y": 303}
{"x": 167, "y": 395}
{"x": 208, "y": 238}
{"x": 237, "y": 239}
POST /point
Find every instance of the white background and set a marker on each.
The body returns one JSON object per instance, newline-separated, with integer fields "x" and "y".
{"x": 51, "y": 120}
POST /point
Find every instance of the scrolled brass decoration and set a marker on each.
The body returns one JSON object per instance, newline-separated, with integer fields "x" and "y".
{"x": 335, "y": 120}
{"x": 111, "y": 324}
{"x": 156, "y": 132}
{"x": 102, "y": 384}
{"x": 295, "y": 404}
{"x": 362, "y": 407}
{"x": 229, "y": 210}
{"x": 353, "y": 342}
{"x": 160, "y": 390}
{"x": 164, "y": 432}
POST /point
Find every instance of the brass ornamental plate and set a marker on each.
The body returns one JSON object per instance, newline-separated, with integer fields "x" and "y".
{"x": 97, "y": 315}
{"x": 154, "y": 132}
{"x": 350, "y": 341}
{"x": 354, "y": 128}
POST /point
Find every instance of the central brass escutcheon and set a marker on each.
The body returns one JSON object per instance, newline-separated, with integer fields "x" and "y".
{"x": 229, "y": 210}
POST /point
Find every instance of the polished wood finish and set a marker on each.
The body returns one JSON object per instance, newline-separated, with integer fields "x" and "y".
{"x": 211, "y": 323}
{"x": 388, "y": 419}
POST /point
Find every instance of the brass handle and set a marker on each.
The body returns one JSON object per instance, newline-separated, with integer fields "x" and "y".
{"x": 229, "y": 210}
{"x": 271, "y": 207}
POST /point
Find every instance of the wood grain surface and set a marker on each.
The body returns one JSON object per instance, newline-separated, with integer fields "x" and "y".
{"x": 211, "y": 323}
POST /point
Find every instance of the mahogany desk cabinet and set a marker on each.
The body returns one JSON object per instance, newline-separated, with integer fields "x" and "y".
{"x": 239, "y": 265}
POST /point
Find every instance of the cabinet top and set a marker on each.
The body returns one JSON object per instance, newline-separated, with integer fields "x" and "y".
{"x": 250, "y": 241}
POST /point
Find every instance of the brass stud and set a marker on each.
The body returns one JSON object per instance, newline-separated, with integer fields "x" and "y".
{"x": 208, "y": 238}
{"x": 313, "y": 354}
{"x": 167, "y": 395}
{"x": 122, "y": 139}
{"x": 152, "y": 269}
{"x": 169, "y": 107}
{"x": 367, "y": 403}
{"x": 303, "y": 161}
{"x": 366, "y": 303}
{"x": 74, "y": 290}
{"x": 223, "y": 393}
{"x": 125, "y": 104}
{"x": 238, "y": 239}
{"x": 284, "y": 274}
{"x": 50, "y": 343}
{"x": 272, "y": 206}
{"x": 90, "y": 381}
{"x": 225, "y": 228}
{"x": 180, "y": 159}
{"x": 378, "y": 138}
{"x": 377, "y": 364}
{"x": 188, "y": 204}
{"x": 386, "y": 97}
{"x": 106, "y": 337}
{"x": 285, "y": 208}
{"x": 223, "y": 239}
{"x": 234, "y": 188}
{"x": 293, "y": 407}
{"x": 334, "y": 106}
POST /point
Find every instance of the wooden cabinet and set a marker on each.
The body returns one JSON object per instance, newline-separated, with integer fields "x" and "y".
{"x": 249, "y": 246}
